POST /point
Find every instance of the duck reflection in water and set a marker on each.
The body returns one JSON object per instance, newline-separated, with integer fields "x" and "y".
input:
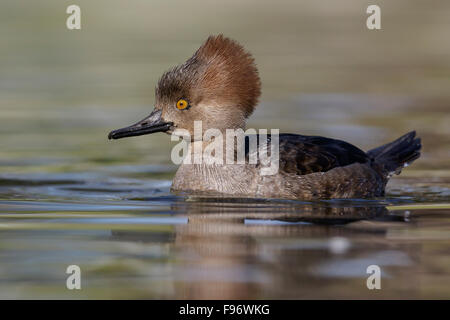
{"x": 265, "y": 249}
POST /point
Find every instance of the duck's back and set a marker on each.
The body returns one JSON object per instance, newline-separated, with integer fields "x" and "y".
{"x": 301, "y": 155}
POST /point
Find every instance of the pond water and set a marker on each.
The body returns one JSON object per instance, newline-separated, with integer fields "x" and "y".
{"x": 68, "y": 196}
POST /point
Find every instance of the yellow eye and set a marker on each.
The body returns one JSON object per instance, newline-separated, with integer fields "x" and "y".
{"x": 182, "y": 104}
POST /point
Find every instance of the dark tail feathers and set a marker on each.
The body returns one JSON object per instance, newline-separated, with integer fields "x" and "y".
{"x": 392, "y": 157}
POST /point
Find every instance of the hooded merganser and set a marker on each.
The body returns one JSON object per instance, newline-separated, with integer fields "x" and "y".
{"x": 220, "y": 86}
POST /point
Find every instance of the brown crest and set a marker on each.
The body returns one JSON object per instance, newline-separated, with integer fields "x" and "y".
{"x": 219, "y": 72}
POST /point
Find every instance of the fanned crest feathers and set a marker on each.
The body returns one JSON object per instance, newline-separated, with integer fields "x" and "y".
{"x": 220, "y": 72}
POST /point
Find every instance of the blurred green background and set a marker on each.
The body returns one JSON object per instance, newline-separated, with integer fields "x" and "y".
{"x": 323, "y": 72}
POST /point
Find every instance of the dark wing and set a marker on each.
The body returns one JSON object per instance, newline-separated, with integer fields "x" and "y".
{"x": 307, "y": 154}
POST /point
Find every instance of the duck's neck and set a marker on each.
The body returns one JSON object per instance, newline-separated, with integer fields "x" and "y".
{"x": 204, "y": 170}
{"x": 217, "y": 152}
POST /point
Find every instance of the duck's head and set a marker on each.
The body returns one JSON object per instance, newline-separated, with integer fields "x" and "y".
{"x": 218, "y": 85}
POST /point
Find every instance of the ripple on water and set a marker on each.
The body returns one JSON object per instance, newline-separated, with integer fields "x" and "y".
{"x": 126, "y": 230}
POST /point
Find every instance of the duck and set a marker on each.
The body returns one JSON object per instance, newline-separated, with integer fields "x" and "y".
{"x": 219, "y": 87}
